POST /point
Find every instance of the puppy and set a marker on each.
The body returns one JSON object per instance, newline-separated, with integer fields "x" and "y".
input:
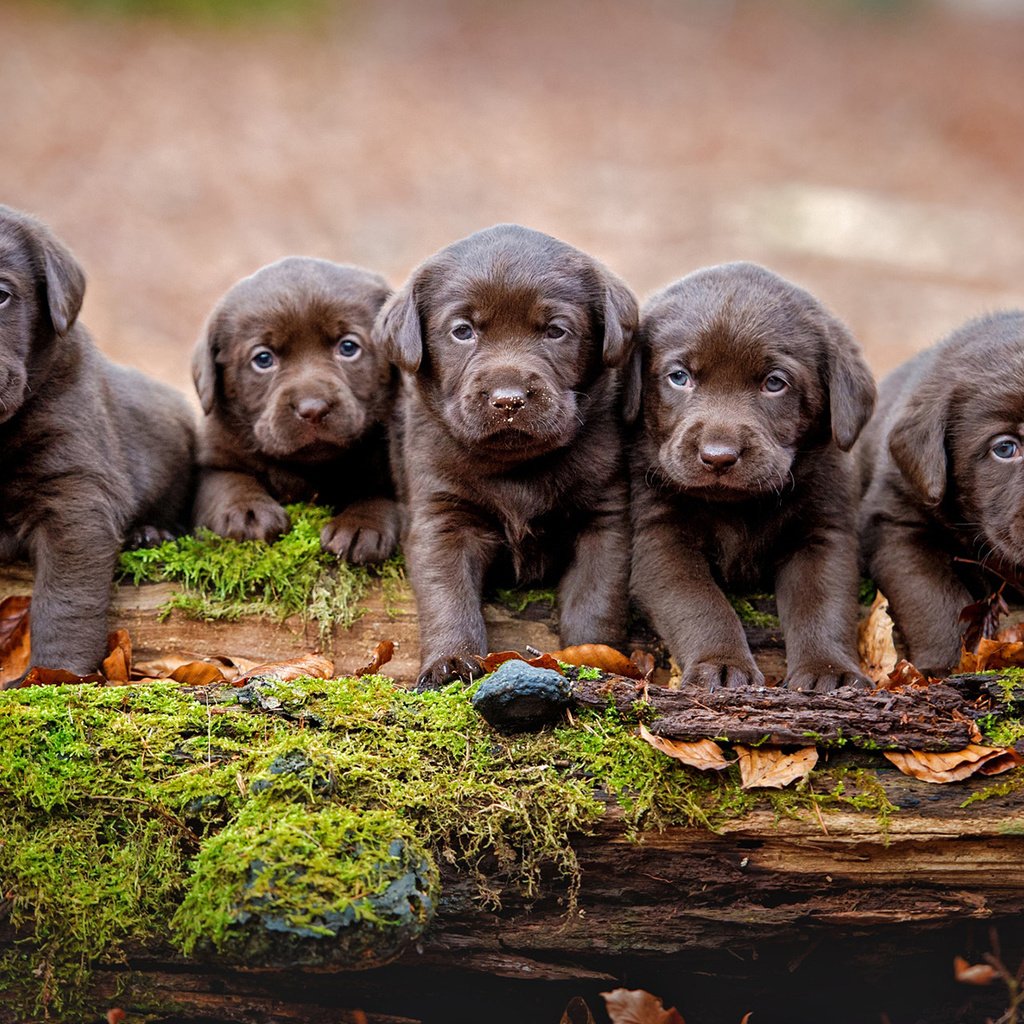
{"x": 296, "y": 395}
{"x": 751, "y": 394}
{"x": 89, "y": 452}
{"x": 508, "y": 451}
{"x": 942, "y": 464}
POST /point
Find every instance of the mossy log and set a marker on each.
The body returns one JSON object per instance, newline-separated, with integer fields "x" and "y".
{"x": 861, "y": 870}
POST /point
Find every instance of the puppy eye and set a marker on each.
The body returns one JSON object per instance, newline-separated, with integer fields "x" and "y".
{"x": 680, "y": 379}
{"x": 349, "y": 347}
{"x": 263, "y": 359}
{"x": 5, "y": 297}
{"x": 463, "y": 332}
{"x": 774, "y": 383}
{"x": 1006, "y": 449}
{"x": 555, "y": 332}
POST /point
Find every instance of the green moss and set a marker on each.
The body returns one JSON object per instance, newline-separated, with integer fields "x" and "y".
{"x": 750, "y": 615}
{"x": 226, "y": 579}
{"x": 866, "y": 591}
{"x": 518, "y": 600}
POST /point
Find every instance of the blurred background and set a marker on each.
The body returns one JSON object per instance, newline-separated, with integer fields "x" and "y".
{"x": 871, "y": 151}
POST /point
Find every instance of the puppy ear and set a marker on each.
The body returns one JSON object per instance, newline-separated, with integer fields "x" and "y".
{"x": 398, "y": 328}
{"x": 205, "y": 375}
{"x": 65, "y": 283}
{"x": 917, "y": 444}
{"x": 620, "y": 321}
{"x": 632, "y": 384}
{"x": 851, "y": 388}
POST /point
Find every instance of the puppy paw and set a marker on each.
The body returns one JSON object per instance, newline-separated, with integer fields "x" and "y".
{"x": 824, "y": 678}
{"x": 463, "y": 667}
{"x": 716, "y": 675}
{"x": 257, "y": 520}
{"x": 147, "y": 536}
{"x": 363, "y": 534}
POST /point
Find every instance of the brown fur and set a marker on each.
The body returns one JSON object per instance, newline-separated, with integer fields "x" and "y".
{"x": 736, "y": 486}
{"x": 311, "y": 425}
{"x": 91, "y": 454}
{"x": 509, "y": 449}
{"x": 934, "y": 490}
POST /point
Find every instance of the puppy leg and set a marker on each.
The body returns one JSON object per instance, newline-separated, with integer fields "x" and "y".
{"x": 672, "y": 581}
{"x": 593, "y": 596}
{"x": 236, "y": 505}
{"x": 448, "y": 552}
{"x": 816, "y": 593}
{"x": 74, "y": 568}
{"x": 365, "y": 532}
{"x": 916, "y": 574}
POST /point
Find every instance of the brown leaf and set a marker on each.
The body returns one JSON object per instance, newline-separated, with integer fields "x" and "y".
{"x": 954, "y": 765}
{"x": 874, "y": 641}
{"x": 15, "y": 640}
{"x": 492, "y": 661}
{"x": 644, "y": 663}
{"x": 382, "y": 654}
{"x": 973, "y": 974}
{"x": 1011, "y": 634}
{"x": 117, "y": 665}
{"x": 773, "y": 768}
{"x": 706, "y": 755}
{"x": 315, "y": 665}
{"x": 198, "y": 673}
{"x": 115, "y": 1015}
{"x": 635, "y": 1006}
{"x": 59, "y": 677}
{"x": 904, "y": 674}
{"x": 990, "y": 655}
{"x": 607, "y": 659}
{"x": 577, "y": 1012}
{"x": 981, "y": 619}
{"x": 162, "y": 668}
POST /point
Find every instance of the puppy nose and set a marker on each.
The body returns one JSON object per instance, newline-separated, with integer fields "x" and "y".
{"x": 508, "y": 400}
{"x": 312, "y": 410}
{"x": 719, "y": 457}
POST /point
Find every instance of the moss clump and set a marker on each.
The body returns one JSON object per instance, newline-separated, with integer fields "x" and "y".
{"x": 518, "y": 601}
{"x": 226, "y": 579}
{"x": 750, "y": 615}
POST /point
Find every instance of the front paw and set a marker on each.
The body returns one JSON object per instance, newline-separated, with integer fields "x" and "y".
{"x": 441, "y": 671}
{"x": 717, "y": 674}
{"x": 362, "y": 536}
{"x": 147, "y": 536}
{"x": 251, "y": 520}
{"x": 824, "y": 677}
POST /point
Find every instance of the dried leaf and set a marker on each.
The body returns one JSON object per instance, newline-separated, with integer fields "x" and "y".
{"x": 198, "y": 673}
{"x": 874, "y": 641}
{"x": 904, "y": 674}
{"x": 644, "y": 663}
{"x": 492, "y": 661}
{"x": 991, "y": 655}
{"x": 117, "y": 665}
{"x": 607, "y": 659}
{"x": 635, "y": 1006}
{"x": 163, "y": 668}
{"x": 59, "y": 677}
{"x": 1011, "y": 634}
{"x": 981, "y": 619}
{"x": 115, "y": 1015}
{"x": 15, "y": 640}
{"x": 772, "y": 767}
{"x": 382, "y": 654}
{"x": 315, "y": 665}
{"x": 705, "y": 754}
{"x": 954, "y": 765}
{"x": 577, "y": 1012}
{"x": 973, "y": 974}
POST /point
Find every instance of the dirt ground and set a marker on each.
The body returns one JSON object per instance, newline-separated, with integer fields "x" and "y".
{"x": 872, "y": 152}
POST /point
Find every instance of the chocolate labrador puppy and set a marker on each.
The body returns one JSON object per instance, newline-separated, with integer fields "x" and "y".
{"x": 90, "y": 453}
{"x": 751, "y": 393}
{"x": 508, "y": 450}
{"x": 296, "y": 395}
{"x": 943, "y": 469}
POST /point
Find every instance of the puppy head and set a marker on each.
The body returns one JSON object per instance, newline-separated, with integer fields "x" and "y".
{"x": 960, "y": 438}
{"x": 287, "y": 360}
{"x": 41, "y": 291}
{"x": 741, "y": 372}
{"x": 509, "y": 333}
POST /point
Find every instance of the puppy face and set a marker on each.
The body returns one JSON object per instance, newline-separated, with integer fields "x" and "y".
{"x": 961, "y": 437}
{"x": 41, "y": 291}
{"x": 741, "y": 372}
{"x": 289, "y": 361}
{"x": 506, "y": 332}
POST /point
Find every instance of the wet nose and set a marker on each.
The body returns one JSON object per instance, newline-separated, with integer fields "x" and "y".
{"x": 508, "y": 400}
{"x": 312, "y": 410}
{"x": 719, "y": 458}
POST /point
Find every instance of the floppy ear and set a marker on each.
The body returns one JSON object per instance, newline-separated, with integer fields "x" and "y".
{"x": 851, "y": 388}
{"x": 65, "y": 283}
{"x": 917, "y": 444}
{"x": 620, "y": 321}
{"x": 398, "y": 329}
{"x": 633, "y": 384}
{"x": 205, "y": 374}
